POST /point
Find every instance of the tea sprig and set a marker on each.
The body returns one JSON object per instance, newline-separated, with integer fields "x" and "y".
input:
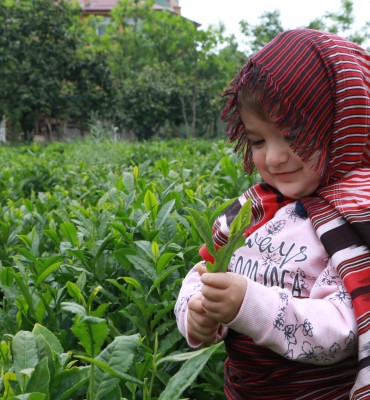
{"x": 236, "y": 238}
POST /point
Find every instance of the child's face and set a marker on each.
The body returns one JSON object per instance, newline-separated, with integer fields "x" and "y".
{"x": 276, "y": 162}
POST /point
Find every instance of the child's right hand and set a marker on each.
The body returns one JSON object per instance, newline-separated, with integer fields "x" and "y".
{"x": 201, "y": 327}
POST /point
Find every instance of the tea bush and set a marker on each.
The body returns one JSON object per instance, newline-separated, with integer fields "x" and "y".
{"x": 94, "y": 242}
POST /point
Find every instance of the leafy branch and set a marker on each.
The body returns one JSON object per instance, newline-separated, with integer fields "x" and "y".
{"x": 236, "y": 237}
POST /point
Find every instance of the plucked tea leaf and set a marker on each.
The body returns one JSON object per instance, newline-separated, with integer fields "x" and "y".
{"x": 242, "y": 219}
{"x": 223, "y": 255}
{"x": 204, "y": 229}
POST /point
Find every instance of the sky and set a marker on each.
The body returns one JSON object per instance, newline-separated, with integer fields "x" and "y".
{"x": 293, "y": 13}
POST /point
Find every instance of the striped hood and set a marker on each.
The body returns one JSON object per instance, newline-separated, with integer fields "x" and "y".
{"x": 321, "y": 84}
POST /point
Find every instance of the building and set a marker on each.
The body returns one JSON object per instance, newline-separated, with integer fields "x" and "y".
{"x": 103, "y": 7}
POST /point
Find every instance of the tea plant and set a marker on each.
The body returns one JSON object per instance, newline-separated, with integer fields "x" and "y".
{"x": 95, "y": 239}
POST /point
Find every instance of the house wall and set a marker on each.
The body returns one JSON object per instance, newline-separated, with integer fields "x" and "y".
{"x": 103, "y": 7}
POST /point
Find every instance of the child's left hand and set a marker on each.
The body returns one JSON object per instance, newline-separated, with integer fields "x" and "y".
{"x": 223, "y": 294}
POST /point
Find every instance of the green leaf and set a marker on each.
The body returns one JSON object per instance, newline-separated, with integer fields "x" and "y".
{"x": 163, "y": 214}
{"x": 187, "y": 373}
{"x": 26, "y": 294}
{"x": 49, "y": 336}
{"x": 107, "y": 368}
{"x": 92, "y": 296}
{"x": 132, "y": 281}
{"x": 92, "y": 333}
{"x": 40, "y": 379}
{"x": 204, "y": 229}
{"x": 143, "y": 265}
{"x": 109, "y": 239}
{"x": 225, "y": 253}
{"x": 242, "y": 219}
{"x": 218, "y": 211}
{"x": 150, "y": 202}
{"x": 44, "y": 351}
{"x": 119, "y": 356}
{"x": 66, "y": 383}
{"x": 26, "y": 240}
{"x": 69, "y": 231}
{"x": 7, "y": 276}
{"x": 75, "y": 292}
{"x": 74, "y": 308}
{"x": 29, "y": 396}
{"x": 164, "y": 260}
{"x": 25, "y": 356}
{"x": 128, "y": 182}
{"x": 41, "y": 278}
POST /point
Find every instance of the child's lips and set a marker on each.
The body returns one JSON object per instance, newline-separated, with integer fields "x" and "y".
{"x": 285, "y": 175}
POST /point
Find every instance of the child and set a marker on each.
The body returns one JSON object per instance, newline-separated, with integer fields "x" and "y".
{"x": 294, "y": 306}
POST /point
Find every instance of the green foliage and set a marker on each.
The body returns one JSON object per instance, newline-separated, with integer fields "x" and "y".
{"x": 95, "y": 240}
{"x": 46, "y": 69}
{"x": 167, "y": 80}
{"x": 340, "y": 22}
{"x": 236, "y": 238}
{"x": 259, "y": 35}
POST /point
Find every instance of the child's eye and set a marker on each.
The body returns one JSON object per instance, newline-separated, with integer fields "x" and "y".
{"x": 257, "y": 143}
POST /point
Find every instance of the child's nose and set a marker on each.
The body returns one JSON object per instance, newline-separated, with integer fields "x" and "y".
{"x": 277, "y": 154}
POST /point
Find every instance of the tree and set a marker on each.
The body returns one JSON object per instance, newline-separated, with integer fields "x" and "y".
{"x": 260, "y": 35}
{"x": 340, "y": 22}
{"x": 168, "y": 73}
{"x": 43, "y": 71}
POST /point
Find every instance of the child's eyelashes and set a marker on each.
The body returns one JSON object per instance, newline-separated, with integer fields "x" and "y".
{"x": 256, "y": 142}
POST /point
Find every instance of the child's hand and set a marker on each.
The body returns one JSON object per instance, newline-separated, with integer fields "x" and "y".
{"x": 223, "y": 294}
{"x": 201, "y": 327}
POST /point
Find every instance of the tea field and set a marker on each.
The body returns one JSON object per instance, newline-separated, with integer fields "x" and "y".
{"x": 95, "y": 238}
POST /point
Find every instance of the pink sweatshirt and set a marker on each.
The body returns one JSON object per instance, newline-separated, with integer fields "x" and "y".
{"x": 295, "y": 304}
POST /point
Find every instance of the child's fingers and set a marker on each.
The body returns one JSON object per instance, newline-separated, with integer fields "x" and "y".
{"x": 201, "y": 267}
{"x": 217, "y": 279}
{"x": 195, "y": 304}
